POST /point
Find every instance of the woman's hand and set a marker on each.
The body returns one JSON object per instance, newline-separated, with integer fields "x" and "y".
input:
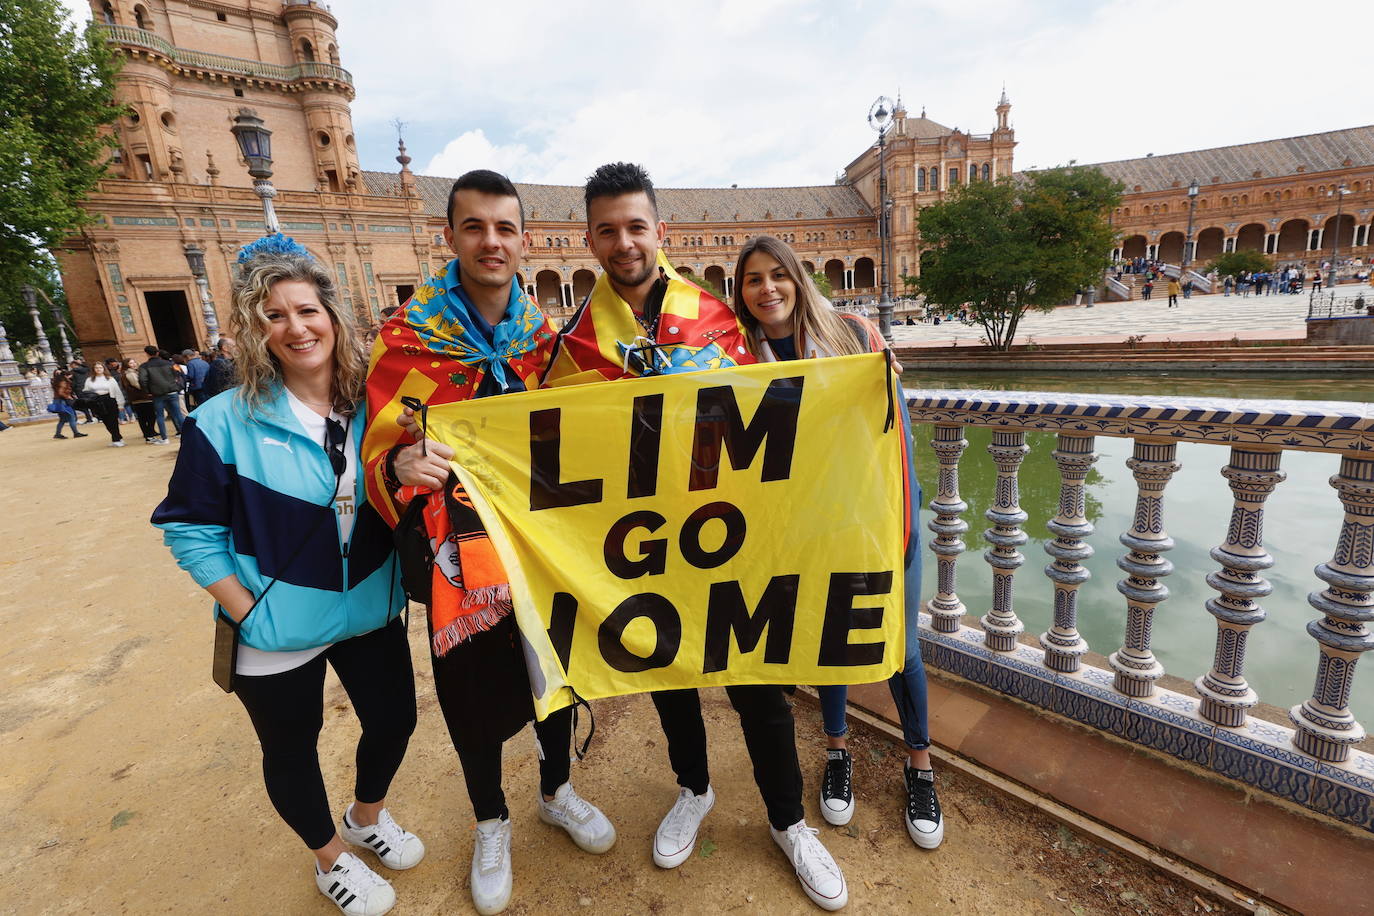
{"x": 892, "y": 361}
{"x": 236, "y": 600}
{"x": 406, "y": 420}
{"x": 416, "y": 469}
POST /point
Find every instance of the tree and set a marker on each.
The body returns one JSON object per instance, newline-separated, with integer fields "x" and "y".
{"x": 1235, "y": 263}
{"x": 1000, "y": 248}
{"x": 56, "y": 102}
{"x": 822, "y": 283}
{"x": 909, "y": 284}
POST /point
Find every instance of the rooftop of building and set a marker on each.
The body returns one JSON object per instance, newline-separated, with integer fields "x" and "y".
{"x": 711, "y": 205}
{"x": 1324, "y": 152}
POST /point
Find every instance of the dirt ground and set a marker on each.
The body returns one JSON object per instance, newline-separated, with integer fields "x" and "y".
{"x": 131, "y": 783}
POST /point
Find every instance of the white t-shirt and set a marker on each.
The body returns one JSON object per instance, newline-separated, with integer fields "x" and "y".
{"x": 255, "y": 662}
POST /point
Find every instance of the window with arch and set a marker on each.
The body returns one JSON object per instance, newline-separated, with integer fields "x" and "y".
{"x": 920, "y": 179}
{"x": 1125, "y": 211}
{"x": 1311, "y": 191}
{"x": 548, "y": 241}
{"x": 715, "y": 240}
{"x": 334, "y": 55}
{"x": 953, "y": 177}
{"x": 1267, "y": 197}
{"x": 935, "y": 179}
{"x": 987, "y": 171}
{"x": 1163, "y": 208}
{"x": 141, "y": 18}
{"x": 107, "y": 14}
{"x": 667, "y": 240}
{"x": 307, "y": 51}
{"x": 1244, "y": 199}
{"x": 1288, "y": 195}
{"x": 972, "y": 172}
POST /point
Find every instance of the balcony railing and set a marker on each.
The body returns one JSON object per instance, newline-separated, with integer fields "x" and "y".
{"x": 1311, "y": 764}
{"x": 129, "y": 36}
{"x": 1329, "y": 306}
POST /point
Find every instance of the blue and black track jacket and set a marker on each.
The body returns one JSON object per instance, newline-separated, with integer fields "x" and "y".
{"x": 248, "y": 496}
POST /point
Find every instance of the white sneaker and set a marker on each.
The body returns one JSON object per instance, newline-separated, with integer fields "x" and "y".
{"x": 820, "y": 877}
{"x": 588, "y": 827}
{"x": 676, "y": 836}
{"x": 119, "y": 444}
{"x": 397, "y": 848}
{"x": 355, "y": 889}
{"x": 491, "y": 876}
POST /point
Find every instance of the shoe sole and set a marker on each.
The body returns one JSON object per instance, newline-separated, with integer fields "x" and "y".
{"x": 677, "y": 858}
{"x": 595, "y": 850}
{"x": 822, "y": 901}
{"x": 491, "y": 909}
{"x": 359, "y": 845}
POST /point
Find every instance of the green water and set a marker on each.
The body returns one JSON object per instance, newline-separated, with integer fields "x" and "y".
{"x": 1302, "y": 520}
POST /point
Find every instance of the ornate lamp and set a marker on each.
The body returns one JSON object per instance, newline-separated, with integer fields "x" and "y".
{"x": 880, "y": 119}
{"x": 255, "y": 143}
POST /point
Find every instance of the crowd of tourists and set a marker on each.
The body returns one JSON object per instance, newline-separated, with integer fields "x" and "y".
{"x": 160, "y": 389}
{"x": 325, "y": 447}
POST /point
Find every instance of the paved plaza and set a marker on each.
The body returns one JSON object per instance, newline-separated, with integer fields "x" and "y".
{"x": 1201, "y": 317}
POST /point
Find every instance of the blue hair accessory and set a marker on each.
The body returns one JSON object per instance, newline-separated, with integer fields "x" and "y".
{"x": 276, "y": 243}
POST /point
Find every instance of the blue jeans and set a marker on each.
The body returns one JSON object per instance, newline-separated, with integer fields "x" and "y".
{"x": 66, "y": 416}
{"x": 170, "y": 404}
{"x": 908, "y": 686}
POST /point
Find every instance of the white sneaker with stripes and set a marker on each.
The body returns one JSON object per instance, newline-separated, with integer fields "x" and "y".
{"x": 398, "y": 848}
{"x": 355, "y": 889}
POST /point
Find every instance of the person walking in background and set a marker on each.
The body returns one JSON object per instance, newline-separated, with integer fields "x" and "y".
{"x": 140, "y": 401}
{"x": 102, "y": 389}
{"x": 115, "y": 369}
{"x": 160, "y": 379}
{"x": 221, "y": 374}
{"x": 1173, "y": 292}
{"x": 1147, "y": 289}
{"x": 196, "y": 371}
{"x": 1188, "y": 289}
{"x": 63, "y": 404}
{"x": 78, "y": 373}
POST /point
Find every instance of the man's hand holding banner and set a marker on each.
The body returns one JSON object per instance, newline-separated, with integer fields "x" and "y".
{"x": 738, "y": 526}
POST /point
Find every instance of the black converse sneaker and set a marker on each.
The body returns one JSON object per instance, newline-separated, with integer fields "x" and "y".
{"x": 923, "y": 819}
{"x": 837, "y": 787}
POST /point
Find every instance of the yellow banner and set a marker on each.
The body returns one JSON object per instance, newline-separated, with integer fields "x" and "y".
{"x": 736, "y": 526}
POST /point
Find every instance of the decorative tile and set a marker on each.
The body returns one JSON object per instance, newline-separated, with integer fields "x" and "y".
{"x": 1343, "y": 802}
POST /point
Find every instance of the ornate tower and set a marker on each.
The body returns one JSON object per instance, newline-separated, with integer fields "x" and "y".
{"x": 311, "y": 27}
{"x": 1003, "y": 111}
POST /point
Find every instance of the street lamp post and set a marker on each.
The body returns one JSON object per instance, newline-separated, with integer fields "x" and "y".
{"x": 880, "y": 119}
{"x": 61, "y": 331}
{"x": 195, "y": 257}
{"x": 1340, "y": 192}
{"x": 44, "y": 349}
{"x": 255, "y": 142}
{"x": 1188, "y": 242}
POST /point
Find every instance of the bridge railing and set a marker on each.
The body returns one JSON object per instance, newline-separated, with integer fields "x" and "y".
{"x": 1311, "y": 763}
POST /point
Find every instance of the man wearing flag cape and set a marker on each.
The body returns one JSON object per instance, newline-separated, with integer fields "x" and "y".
{"x": 643, "y": 319}
{"x": 470, "y": 332}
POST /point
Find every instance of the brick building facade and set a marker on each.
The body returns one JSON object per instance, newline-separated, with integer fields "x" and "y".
{"x": 177, "y": 181}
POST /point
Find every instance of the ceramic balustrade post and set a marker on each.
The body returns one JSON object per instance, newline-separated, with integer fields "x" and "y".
{"x": 1063, "y": 645}
{"x": 1137, "y": 669}
{"x": 1253, "y": 475}
{"x": 1325, "y": 726}
{"x": 946, "y": 610}
{"x": 1001, "y": 625}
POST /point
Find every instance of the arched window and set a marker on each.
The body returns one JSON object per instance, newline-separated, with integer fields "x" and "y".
{"x": 972, "y": 172}
{"x": 935, "y": 179}
{"x": 107, "y": 14}
{"x": 334, "y": 55}
{"x": 920, "y": 179}
{"x": 307, "y": 51}
{"x": 987, "y": 171}
{"x": 140, "y": 17}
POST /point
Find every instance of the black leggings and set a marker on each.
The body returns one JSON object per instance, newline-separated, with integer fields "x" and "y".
{"x": 107, "y": 411}
{"x": 765, "y": 717}
{"x": 143, "y": 410}
{"x": 287, "y": 710}
{"x": 482, "y": 765}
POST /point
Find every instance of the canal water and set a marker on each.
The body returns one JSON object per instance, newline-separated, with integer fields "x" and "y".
{"x": 1302, "y": 520}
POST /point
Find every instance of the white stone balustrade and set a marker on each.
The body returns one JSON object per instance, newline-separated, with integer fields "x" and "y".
{"x": 1314, "y": 764}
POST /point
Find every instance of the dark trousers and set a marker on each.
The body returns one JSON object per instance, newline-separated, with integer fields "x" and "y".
{"x": 765, "y": 717}
{"x": 107, "y": 411}
{"x": 481, "y": 762}
{"x": 287, "y": 710}
{"x": 143, "y": 411}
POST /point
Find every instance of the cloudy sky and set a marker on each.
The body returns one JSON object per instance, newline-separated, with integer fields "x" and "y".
{"x": 775, "y": 92}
